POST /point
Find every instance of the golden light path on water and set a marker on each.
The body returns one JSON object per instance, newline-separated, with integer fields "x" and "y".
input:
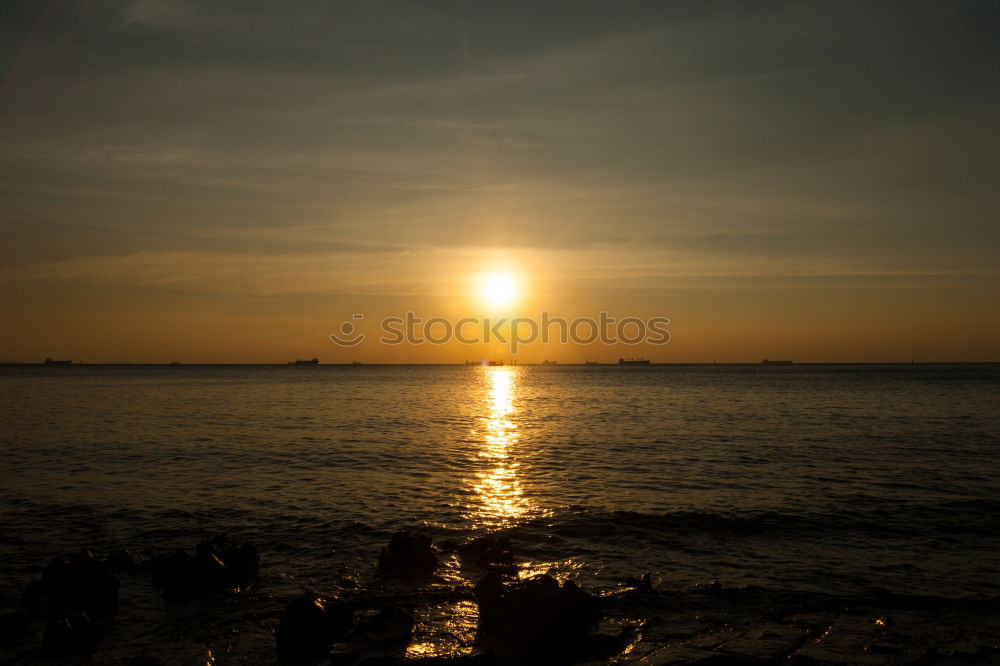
{"x": 501, "y": 499}
{"x": 499, "y": 502}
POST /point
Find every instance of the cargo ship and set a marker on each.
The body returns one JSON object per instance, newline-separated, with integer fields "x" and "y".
{"x": 633, "y": 361}
{"x": 770, "y": 362}
{"x": 312, "y": 361}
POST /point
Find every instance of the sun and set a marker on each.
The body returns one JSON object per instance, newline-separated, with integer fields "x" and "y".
{"x": 500, "y": 289}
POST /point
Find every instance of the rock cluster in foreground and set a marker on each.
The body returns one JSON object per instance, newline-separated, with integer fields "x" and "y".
{"x": 76, "y": 598}
{"x": 531, "y": 621}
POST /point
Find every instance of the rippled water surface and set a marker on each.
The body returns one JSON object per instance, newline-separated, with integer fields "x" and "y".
{"x": 803, "y": 481}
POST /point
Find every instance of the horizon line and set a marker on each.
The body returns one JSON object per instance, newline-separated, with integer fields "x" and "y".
{"x": 466, "y": 363}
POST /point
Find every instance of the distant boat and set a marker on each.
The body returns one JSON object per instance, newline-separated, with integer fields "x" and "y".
{"x": 49, "y": 361}
{"x": 175, "y": 363}
{"x": 591, "y": 363}
{"x": 500, "y": 362}
{"x": 770, "y": 362}
{"x": 548, "y": 362}
{"x": 312, "y": 361}
{"x": 633, "y": 361}
{"x": 356, "y": 363}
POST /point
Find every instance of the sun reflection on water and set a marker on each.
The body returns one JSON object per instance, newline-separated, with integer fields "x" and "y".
{"x": 444, "y": 630}
{"x": 501, "y": 499}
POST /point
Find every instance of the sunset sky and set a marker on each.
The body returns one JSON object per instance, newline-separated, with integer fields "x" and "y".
{"x": 228, "y": 181}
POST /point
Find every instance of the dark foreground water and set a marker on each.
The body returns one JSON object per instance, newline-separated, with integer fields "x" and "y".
{"x": 851, "y": 513}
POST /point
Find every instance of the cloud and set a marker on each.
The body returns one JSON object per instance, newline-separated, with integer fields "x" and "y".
{"x": 693, "y": 262}
{"x": 185, "y": 141}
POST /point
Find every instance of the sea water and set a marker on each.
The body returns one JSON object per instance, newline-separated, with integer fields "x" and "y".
{"x": 824, "y": 498}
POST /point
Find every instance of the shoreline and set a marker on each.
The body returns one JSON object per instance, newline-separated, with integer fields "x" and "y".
{"x": 388, "y": 619}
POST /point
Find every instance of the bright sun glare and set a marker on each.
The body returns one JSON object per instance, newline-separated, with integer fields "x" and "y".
{"x": 499, "y": 289}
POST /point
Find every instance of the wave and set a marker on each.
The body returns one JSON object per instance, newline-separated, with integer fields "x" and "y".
{"x": 977, "y": 517}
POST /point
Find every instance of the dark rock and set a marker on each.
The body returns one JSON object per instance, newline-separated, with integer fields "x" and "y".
{"x": 82, "y": 585}
{"x": 488, "y": 551}
{"x": 311, "y": 626}
{"x": 73, "y": 634}
{"x": 407, "y": 554}
{"x": 209, "y": 572}
{"x": 122, "y": 560}
{"x": 489, "y": 592}
{"x": 183, "y": 577}
{"x": 643, "y": 583}
{"x": 57, "y": 573}
{"x": 97, "y": 587}
{"x": 391, "y": 625}
{"x": 929, "y": 656}
{"x": 730, "y": 660}
{"x": 218, "y": 563}
{"x": 15, "y": 626}
{"x": 33, "y": 598}
{"x": 978, "y": 655}
{"x": 377, "y": 638}
{"x": 142, "y": 660}
{"x": 537, "y": 619}
{"x": 803, "y": 660}
{"x": 173, "y": 573}
{"x": 242, "y": 563}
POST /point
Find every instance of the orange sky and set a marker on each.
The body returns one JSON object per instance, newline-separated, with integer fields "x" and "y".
{"x": 737, "y": 319}
{"x": 798, "y": 181}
